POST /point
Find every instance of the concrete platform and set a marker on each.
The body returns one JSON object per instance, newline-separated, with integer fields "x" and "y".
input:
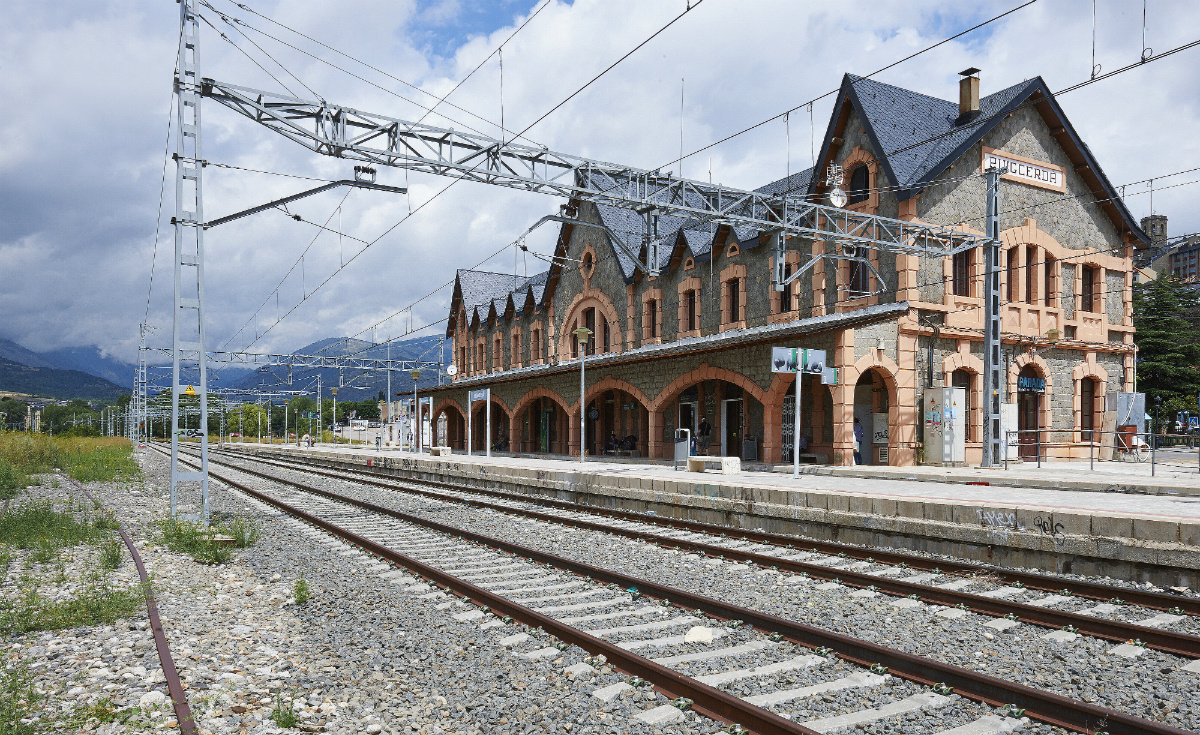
{"x": 1037, "y": 519}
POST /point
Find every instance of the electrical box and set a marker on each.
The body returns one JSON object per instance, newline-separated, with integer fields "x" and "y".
{"x": 945, "y": 426}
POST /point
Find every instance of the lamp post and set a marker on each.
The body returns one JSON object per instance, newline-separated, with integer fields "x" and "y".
{"x": 416, "y": 412}
{"x": 336, "y": 426}
{"x": 581, "y": 337}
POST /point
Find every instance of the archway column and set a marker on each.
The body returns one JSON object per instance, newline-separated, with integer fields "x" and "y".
{"x": 654, "y": 430}
{"x": 843, "y": 398}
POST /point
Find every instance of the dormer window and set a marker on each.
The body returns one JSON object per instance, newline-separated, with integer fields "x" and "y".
{"x": 860, "y": 184}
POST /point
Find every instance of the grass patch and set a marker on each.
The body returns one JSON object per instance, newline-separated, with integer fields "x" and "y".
{"x": 197, "y": 542}
{"x": 38, "y": 525}
{"x": 284, "y": 714}
{"x": 301, "y": 592}
{"x": 110, "y": 554}
{"x": 94, "y": 459}
{"x": 99, "y": 604}
{"x": 11, "y": 480}
{"x": 18, "y": 699}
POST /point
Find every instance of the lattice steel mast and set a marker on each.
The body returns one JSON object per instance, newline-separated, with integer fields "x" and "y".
{"x": 187, "y": 333}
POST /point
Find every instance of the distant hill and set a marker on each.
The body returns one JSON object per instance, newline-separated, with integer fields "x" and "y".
{"x": 93, "y": 361}
{"x": 356, "y": 385}
{"x": 55, "y": 383}
{"x": 14, "y": 352}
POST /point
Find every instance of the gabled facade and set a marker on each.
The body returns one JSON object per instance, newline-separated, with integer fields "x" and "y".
{"x": 694, "y": 342}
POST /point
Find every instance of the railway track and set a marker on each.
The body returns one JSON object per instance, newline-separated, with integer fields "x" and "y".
{"x": 608, "y": 613}
{"x": 1067, "y": 586}
{"x": 929, "y": 587}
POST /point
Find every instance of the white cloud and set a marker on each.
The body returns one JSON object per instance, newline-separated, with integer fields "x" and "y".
{"x": 85, "y": 89}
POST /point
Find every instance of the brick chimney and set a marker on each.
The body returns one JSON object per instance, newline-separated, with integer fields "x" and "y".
{"x": 968, "y": 96}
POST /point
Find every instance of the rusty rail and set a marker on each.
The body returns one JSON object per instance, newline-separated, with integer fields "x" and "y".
{"x": 1091, "y": 590}
{"x": 1045, "y": 706}
{"x": 1180, "y": 644}
{"x": 183, "y": 712}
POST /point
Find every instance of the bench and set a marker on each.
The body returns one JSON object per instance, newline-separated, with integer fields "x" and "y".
{"x": 621, "y": 452}
{"x": 727, "y": 465}
{"x": 440, "y": 451}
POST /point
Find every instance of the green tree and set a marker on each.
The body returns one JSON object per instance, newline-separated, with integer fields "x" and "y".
{"x": 367, "y": 409}
{"x": 1168, "y": 358}
{"x": 14, "y": 411}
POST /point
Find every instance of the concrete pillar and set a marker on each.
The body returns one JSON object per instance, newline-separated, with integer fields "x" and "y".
{"x": 654, "y": 433}
{"x": 843, "y": 398}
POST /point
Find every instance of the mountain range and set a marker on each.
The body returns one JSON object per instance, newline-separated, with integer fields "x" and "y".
{"x": 86, "y": 372}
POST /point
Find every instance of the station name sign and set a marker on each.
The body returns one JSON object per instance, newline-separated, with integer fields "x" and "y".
{"x": 1025, "y": 170}
{"x": 1030, "y": 384}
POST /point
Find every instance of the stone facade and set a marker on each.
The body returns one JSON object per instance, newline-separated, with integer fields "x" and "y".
{"x": 1067, "y": 314}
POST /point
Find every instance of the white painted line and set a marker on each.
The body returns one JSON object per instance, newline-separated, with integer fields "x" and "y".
{"x": 914, "y": 703}
{"x": 857, "y": 680}
{"x": 799, "y": 662}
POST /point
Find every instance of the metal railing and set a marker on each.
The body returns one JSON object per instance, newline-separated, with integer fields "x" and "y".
{"x": 1172, "y": 450}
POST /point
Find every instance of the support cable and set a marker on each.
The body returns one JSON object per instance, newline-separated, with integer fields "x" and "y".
{"x": 446, "y": 188}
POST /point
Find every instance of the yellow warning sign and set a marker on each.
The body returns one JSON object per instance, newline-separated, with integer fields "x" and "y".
{"x": 190, "y": 391}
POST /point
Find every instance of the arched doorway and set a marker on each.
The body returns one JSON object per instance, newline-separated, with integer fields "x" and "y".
{"x": 816, "y": 421}
{"x": 872, "y": 408}
{"x": 1031, "y": 389}
{"x": 724, "y": 419}
{"x": 451, "y": 427}
{"x": 499, "y": 439}
{"x": 618, "y": 423}
{"x": 542, "y": 427}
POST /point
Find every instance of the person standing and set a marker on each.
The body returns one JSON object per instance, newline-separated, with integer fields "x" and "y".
{"x": 858, "y": 440}
{"x": 703, "y": 435}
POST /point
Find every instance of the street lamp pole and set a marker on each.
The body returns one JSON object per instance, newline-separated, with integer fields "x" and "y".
{"x": 581, "y": 337}
{"x": 337, "y": 428}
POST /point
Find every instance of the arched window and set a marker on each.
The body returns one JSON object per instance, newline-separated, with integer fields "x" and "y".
{"x": 964, "y": 263}
{"x": 963, "y": 379}
{"x": 860, "y": 183}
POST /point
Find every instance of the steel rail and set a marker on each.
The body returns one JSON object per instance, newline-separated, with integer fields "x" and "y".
{"x": 1180, "y": 644}
{"x": 707, "y": 700}
{"x": 1091, "y": 590}
{"x": 1051, "y": 708}
{"x": 183, "y": 712}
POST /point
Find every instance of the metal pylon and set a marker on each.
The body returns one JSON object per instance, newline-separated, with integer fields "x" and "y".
{"x": 188, "y": 315}
{"x": 993, "y": 379}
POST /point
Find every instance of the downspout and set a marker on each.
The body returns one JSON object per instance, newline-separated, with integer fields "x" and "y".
{"x": 937, "y": 331}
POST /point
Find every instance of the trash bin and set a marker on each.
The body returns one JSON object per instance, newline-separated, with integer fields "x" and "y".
{"x": 1126, "y": 437}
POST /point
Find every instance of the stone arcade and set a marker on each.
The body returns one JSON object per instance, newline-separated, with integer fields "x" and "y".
{"x": 693, "y": 344}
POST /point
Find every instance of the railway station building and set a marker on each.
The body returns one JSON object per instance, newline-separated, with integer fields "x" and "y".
{"x": 691, "y": 347}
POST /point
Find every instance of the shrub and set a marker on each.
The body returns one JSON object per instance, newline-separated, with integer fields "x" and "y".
{"x": 300, "y": 591}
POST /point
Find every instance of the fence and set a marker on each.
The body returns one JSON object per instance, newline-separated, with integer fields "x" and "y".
{"x": 1173, "y": 450}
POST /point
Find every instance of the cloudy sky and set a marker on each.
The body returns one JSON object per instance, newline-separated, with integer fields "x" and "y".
{"x": 85, "y": 86}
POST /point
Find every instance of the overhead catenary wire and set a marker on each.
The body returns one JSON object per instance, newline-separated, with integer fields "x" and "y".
{"x": 444, "y": 189}
{"x": 158, "y": 216}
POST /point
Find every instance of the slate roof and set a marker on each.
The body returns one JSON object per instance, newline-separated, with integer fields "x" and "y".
{"x": 722, "y": 340}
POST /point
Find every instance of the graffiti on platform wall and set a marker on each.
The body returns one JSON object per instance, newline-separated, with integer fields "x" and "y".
{"x": 998, "y": 524}
{"x": 1048, "y": 528}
